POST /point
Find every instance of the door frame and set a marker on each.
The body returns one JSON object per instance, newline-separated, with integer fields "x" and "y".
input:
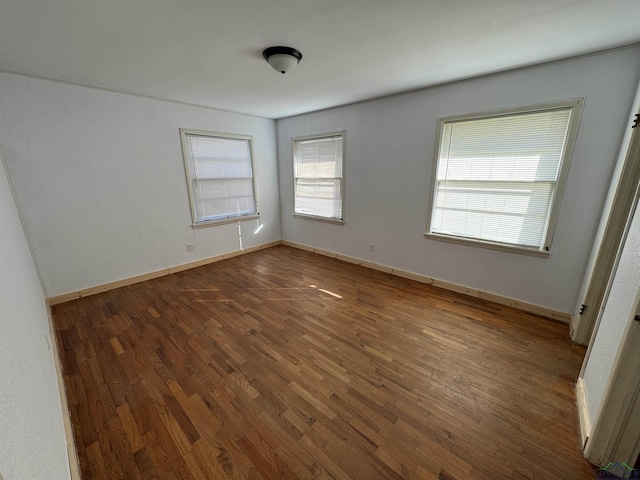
{"x": 615, "y": 436}
{"x": 584, "y": 325}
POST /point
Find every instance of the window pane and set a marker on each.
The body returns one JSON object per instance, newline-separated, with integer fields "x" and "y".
{"x": 508, "y": 212}
{"x": 318, "y": 167}
{"x": 320, "y": 197}
{"x": 220, "y": 198}
{"x": 221, "y": 176}
{"x": 496, "y": 176}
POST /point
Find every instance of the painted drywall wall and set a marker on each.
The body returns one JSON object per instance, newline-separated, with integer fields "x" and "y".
{"x": 389, "y": 156}
{"x": 618, "y": 309}
{"x": 99, "y": 177}
{"x": 32, "y": 438}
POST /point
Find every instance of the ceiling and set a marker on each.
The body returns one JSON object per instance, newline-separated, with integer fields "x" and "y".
{"x": 209, "y": 52}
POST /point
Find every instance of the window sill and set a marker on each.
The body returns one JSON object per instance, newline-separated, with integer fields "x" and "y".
{"x": 335, "y": 221}
{"x": 489, "y": 245}
{"x": 223, "y": 221}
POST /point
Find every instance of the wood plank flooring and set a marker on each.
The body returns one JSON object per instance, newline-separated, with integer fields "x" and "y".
{"x": 286, "y": 364}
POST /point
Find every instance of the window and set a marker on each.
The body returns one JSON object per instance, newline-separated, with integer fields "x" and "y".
{"x": 318, "y": 169}
{"x": 499, "y": 177}
{"x": 219, "y": 172}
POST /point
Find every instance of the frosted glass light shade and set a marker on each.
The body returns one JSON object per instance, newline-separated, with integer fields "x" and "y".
{"x": 282, "y": 59}
{"x": 282, "y": 63}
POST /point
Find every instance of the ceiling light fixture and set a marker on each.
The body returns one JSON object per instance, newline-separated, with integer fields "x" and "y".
{"x": 282, "y": 59}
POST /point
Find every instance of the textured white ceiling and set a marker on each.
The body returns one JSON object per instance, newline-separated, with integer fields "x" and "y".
{"x": 208, "y": 52}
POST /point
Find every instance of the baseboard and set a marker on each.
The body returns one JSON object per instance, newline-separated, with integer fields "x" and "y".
{"x": 583, "y": 412}
{"x": 492, "y": 297}
{"x": 225, "y": 256}
{"x": 65, "y": 297}
{"x": 527, "y": 307}
{"x": 72, "y": 453}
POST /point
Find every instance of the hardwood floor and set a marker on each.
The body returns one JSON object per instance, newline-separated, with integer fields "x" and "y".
{"x": 286, "y": 364}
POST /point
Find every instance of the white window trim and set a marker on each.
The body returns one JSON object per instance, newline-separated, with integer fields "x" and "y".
{"x": 185, "y": 156}
{"x": 576, "y": 106}
{"x": 343, "y": 134}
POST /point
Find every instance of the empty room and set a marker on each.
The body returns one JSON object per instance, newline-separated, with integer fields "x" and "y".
{"x": 333, "y": 239}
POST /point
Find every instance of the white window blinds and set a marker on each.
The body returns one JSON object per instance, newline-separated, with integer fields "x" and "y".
{"x": 220, "y": 176}
{"x": 496, "y": 176}
{"x": 318, "y": 171}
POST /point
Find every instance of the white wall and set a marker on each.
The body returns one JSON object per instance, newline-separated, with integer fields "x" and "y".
{"x": 32, "y": 438}
{"x": 618, "y": 309}
{"x": 390, "y": 147}
{"x": 99, "y": 177}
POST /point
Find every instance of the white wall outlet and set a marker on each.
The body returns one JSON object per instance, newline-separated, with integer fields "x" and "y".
{"x": 189, "y": 247}
{"x": 372, "y": 247}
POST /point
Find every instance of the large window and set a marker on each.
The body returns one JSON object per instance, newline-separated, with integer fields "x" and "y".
{"x": 318, "y": 169}
{"x": 219, "y": 172}
{"x": 499, "y": 177}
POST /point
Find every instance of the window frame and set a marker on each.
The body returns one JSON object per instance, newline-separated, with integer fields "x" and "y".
{"x": 320, "y": 136}
{"x": 544, "y": 250}
{"x": 184, "y": 132}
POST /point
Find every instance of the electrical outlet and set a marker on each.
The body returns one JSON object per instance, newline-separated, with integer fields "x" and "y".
{"x": 189, "y": 247}
{"x": 372, "y": 247}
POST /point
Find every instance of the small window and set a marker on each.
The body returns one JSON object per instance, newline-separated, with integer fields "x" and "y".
{"x": 318, "y": 169}
{"x": 219, "y": 170}
{"x": 499, "y": 177}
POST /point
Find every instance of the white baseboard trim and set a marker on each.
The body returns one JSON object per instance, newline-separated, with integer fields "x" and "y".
{"x": 72, "y": 452}
{"x": 492, "y": 297}
{"x": 65, "y": 297}
{"x": 583, "y": 412}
